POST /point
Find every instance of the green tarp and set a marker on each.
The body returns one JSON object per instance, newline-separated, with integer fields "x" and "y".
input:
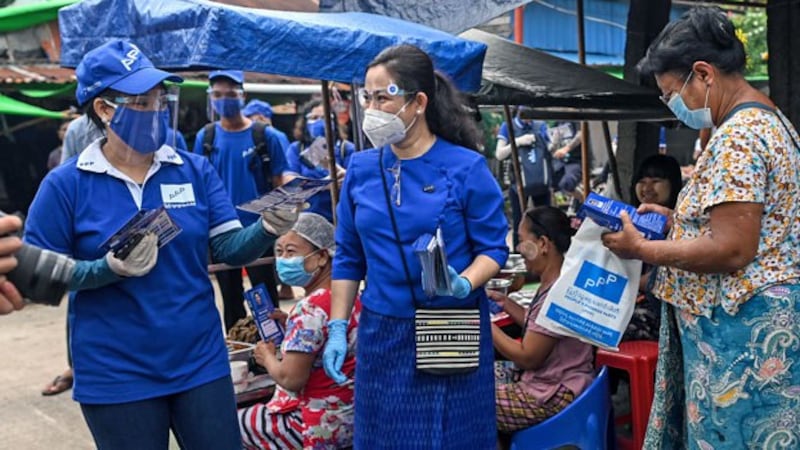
{"x": 14, "y": 18}
{"x": 11, "y": 106}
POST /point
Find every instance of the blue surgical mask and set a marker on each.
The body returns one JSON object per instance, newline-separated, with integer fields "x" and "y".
{"x": 292, "y": 271}
{"x": 228, "y": 107}
{"x": 143, "y": 131}
{"x": 693, "y": 118}
{"x": 315, "y": 128}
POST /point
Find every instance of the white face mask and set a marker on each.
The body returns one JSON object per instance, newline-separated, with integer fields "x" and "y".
{"x": 384, "y": 128}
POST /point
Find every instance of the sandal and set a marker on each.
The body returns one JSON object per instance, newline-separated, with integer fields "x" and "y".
{"x": 59, "y": 384}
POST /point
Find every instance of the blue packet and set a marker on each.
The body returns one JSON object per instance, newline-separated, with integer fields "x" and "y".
{"x": 606, "y": 213}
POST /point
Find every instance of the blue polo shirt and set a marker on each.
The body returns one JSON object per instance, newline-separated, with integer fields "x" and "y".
{"x": 536, "y": 127}
{"x": 321, "y": 202}
{"x": 234, "y": 151}
{"x": 450, "y": 186}
{"x": 147, "y": 336}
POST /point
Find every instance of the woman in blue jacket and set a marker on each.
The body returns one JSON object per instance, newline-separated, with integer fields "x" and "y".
{"x": 424, "y": 140}
{"x": 147, "y": 343}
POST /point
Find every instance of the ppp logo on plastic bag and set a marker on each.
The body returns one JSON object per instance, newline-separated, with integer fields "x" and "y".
{"x": 600, "y": 282}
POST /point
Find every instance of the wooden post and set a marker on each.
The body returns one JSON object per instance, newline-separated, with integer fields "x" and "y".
{"x": 331, "y": 141}
{"x": 512, "y": 140}
{"x": 584, "y": 125}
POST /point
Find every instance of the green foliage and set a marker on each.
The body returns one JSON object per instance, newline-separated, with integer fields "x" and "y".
{"x": 751, "y": 27}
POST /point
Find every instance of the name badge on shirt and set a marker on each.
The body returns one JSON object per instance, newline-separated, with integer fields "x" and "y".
{"x": 177, "y": 195}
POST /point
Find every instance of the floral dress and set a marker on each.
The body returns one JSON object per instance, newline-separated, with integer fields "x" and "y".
{"x": 325, "y": 415}
{"x": 727, "y": 376}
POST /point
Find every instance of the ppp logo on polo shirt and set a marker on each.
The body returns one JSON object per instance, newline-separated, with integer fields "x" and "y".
{"x": 600, "y": 282}
{"x": 177, "y": 195}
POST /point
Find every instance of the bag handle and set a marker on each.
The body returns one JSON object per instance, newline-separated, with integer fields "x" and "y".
{"x": 394, "y": 227}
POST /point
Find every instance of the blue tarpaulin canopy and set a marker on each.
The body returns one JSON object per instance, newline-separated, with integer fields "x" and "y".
{"x": 188, "y": 34}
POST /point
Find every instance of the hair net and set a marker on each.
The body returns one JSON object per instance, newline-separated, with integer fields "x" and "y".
{"x": 316, "y": 230}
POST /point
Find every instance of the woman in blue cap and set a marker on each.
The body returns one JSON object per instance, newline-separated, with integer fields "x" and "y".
{"x": 425, "y": 141}
{"x": 147, "y": 343}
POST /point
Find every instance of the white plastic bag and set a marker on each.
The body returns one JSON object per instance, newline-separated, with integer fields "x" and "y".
{"x": 595, "y": 295}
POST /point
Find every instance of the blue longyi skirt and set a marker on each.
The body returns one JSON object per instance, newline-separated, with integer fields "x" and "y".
{"x": 397, "y": 407}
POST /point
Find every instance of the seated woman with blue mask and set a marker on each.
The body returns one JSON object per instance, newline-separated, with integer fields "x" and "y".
{"x": 321, "y": 416}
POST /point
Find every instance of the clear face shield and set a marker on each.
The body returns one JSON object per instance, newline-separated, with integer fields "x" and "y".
{"x": 224, "y": 101}
{"x": 380, "y": 122}
{"x": 147, "y": 121}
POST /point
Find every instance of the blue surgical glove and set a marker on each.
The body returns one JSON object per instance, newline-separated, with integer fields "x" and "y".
{"x": 335, "y": 350}
{"x": 461, "y": 286}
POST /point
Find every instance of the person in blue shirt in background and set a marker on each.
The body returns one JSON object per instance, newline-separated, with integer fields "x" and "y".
{"x": 261, "y": 111}
{"x": 148, "y": 350}
{"x": 312, "y": 124}
{"x": 234, "y": 154}
{"x": 425, "y": 140}
{"x": 536, "y": 168}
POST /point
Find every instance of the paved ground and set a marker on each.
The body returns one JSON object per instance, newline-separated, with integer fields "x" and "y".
{"x": 33, "y": 352}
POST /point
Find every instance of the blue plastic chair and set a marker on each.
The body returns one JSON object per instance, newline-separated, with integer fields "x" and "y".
{"x": 586, "y": 423}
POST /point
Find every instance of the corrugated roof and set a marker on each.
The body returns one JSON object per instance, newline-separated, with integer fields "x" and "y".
{"x": 53, "y": 74}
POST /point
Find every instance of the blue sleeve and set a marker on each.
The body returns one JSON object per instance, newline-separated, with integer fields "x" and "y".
{"x": 180, "y": 141}
{"x": 50, "y": 217}
{"x": 198, "y": 141}
{"x": 487, "y": 226}
{"x": 349, "y": 262}
{"x": 284, "y": 140}
{"x": 239, "y": 247}
{"x": 222, "y": 216}
{"x": 349, "y": 149}
{"x": 277, "y": 153}
{"x": 503, "y": 131}
{"x": 92, "y": 275}
{"x": 543, "y": 132}
{"x": 293, "y": 158}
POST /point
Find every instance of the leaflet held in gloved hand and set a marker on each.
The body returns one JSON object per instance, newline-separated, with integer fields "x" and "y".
{"x": 430, "y": 250}
{"x": 288, "y": 196}
{"x": 156, "y": 221}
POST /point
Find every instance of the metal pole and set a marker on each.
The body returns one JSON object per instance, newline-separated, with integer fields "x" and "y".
{"x": 612, "y": 160}
{"x": 355, "y": 119}
{"x": 331, "y": 140}
{"x": 515, "y": 158}
{"x": 584, "y": 124}
{"x": 519, "y": 26}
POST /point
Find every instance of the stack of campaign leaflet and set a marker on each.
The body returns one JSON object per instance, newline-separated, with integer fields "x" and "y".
{"x": 430, "y": 250}
{"x": 289, "y": 196}
{"x": 156, "y": 221}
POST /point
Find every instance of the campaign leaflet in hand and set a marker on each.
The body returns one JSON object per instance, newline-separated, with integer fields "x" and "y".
{"x": 430, "y": 250}
{"x": 288, "y": 196}
{"x": 316, "y": 154}
{"x": 156, "y": 221}
{"x": 261, "y": 306}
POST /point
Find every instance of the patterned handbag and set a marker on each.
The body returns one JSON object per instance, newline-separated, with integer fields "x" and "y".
{"x": 447, "y": 340}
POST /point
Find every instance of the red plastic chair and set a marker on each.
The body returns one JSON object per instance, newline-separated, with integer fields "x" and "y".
{"x": 638, "y": 358}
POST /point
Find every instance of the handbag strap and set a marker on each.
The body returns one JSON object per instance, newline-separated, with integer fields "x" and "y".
{"x": 394, "y": 227}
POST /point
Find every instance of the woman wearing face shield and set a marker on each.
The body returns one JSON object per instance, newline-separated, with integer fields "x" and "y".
{"x": 321, "y": 414}
{"x": 728, "y": 272}
{"x": 312, "y": 126}
{"x": 424, "y": 141}
{"x": 148, "y": 350}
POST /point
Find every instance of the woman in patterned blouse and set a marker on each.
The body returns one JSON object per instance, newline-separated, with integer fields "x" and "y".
{"x": 319, "y": 413}
{"x": 729, "y": 271}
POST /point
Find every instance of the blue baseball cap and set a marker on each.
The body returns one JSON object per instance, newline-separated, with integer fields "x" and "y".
{"x": 257, "y": 106}
{"x": 118, "y": 65}
{"x": 237, "y": 76}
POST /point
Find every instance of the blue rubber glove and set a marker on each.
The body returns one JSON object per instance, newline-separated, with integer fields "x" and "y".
{"x": 461, "y": 286}
{"x": 335, "y": 350}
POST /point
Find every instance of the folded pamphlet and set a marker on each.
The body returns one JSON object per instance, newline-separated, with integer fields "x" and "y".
{"x": 430, "y": 250}
{"x": 156, "y": 221}
{"x": 261, "y": 306}
{"x": 288, "y": 196}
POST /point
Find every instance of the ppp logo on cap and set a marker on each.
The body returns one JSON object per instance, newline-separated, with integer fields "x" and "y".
{"x": 131, "y": 57}
{"x": 600, "y": 282}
